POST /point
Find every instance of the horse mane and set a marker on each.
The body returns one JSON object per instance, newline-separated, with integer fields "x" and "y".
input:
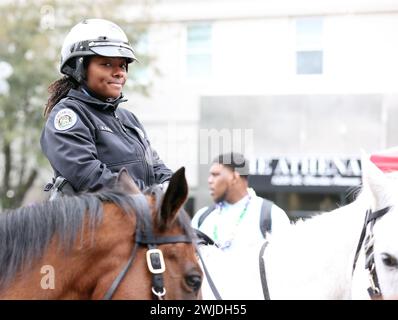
{"x": 26, "y": 232}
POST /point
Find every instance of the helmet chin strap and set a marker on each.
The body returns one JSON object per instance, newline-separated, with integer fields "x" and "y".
{"x": 78, "y": 73}
{"x": 89, "y": 92}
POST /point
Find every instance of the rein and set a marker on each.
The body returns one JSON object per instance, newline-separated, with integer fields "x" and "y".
{"x": 204, "y": 239}
{"x": 263, "y": 274}
{"x": 154, "y": 257}
{"x": 370, "y": 219}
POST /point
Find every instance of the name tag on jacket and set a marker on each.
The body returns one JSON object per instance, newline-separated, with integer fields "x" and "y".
{"x": 105, "y": 128}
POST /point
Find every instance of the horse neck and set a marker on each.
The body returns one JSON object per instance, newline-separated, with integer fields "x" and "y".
{"x": 113, "y": 243}
{"x": 340, "y": 225}
{"x": 317, "y": 253}
{"x": 94, "y": 259}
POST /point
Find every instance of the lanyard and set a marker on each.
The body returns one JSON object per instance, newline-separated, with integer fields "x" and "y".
{"x": 228, "y": 243}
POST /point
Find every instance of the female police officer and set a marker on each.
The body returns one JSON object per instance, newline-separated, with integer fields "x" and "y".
{"x": 87, "y": 138}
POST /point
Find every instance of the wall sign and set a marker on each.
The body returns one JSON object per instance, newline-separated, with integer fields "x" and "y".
{"x": 334, "y": 174}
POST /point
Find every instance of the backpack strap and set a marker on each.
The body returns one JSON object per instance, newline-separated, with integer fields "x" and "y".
{"x": 204, "y": 215}
{"x": 265, "y": 217}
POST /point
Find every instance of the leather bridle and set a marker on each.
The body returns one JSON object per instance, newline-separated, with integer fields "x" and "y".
{"x": 145, "y": 237}
{"x": 374, "y": 290}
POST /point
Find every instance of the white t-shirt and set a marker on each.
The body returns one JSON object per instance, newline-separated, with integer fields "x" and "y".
{"x": 235, "y": 269}
{"x": 229, "y": 223}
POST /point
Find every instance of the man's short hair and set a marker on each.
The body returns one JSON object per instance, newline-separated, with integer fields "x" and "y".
{"x": 235, "y": 161}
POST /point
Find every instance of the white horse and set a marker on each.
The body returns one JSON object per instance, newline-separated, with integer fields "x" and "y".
{"x": 383, "y": 190}
{"x": 313, "y": 259}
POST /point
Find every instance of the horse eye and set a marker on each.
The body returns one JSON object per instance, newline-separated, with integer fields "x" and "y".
{"x": 194, "y": 281}
{"x": 389, "y": 260}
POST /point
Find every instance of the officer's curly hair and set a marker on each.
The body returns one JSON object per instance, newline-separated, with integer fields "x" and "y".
{"x": 58, "y": 90}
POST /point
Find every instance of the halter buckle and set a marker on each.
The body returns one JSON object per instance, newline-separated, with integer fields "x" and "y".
{"x": 155, "y": 261}
{"x": 159, "y": 294}
{"x": 376, "y": 290}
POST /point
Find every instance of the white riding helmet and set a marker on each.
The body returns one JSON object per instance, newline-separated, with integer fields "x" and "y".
{"x": 93, "y": 37}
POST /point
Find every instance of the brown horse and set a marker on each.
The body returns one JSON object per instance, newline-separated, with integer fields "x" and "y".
{"x": 113, "y": 244}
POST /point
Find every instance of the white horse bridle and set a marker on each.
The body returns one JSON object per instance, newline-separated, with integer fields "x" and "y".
{"x": 374, "y": 290}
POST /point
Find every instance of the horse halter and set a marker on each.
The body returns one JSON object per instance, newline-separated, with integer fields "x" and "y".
{"x": 154, "y": 256}
{"x": 370, "y": 219}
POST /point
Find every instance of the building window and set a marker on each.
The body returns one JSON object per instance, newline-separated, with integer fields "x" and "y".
{"x": 141, "y": 69}
{"x": 309, "y": 51}
{"x": 198, "y": 59}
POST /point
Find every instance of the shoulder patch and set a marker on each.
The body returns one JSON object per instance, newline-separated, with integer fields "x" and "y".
{"x": 65, "y": 119}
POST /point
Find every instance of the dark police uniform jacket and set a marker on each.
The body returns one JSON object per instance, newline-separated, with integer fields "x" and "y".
{"x": 87, "y": 141}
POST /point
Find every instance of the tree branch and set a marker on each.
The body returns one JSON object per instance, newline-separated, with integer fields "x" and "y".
{"x": 7, "y": 165}
{"x": 23, "y": 188}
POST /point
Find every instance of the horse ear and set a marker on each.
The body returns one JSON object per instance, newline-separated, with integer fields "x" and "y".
{"x": 375, "y": 181}
{"x": 175, "y": 196}
{"x": 126, "y": 183}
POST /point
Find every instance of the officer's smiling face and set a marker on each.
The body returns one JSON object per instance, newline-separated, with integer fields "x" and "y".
{"x": 106, "y": 76}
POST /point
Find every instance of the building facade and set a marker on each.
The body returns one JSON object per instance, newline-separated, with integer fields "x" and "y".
{"x": 300, "y": 86}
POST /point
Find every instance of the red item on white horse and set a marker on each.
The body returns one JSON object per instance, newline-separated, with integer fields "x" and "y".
{"x": 387, "y": 160}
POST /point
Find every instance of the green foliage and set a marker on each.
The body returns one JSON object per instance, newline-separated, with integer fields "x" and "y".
{"x": 31, "y": 37}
